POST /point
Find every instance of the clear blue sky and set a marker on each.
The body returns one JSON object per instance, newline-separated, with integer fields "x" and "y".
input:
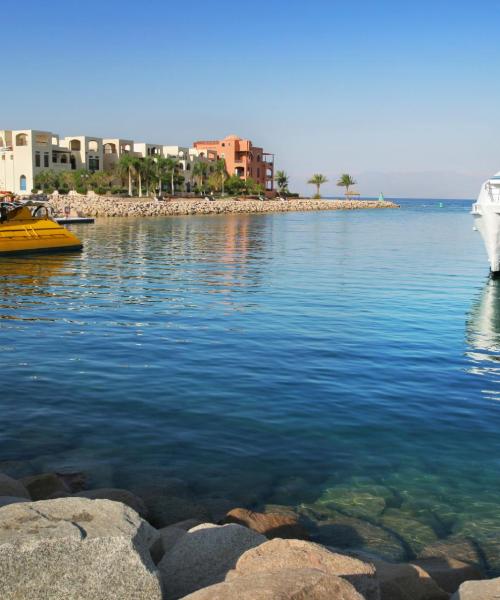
{"x": 405, "y": 96}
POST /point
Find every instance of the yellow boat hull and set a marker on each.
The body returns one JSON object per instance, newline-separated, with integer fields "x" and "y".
{"x": 22, "y": 232}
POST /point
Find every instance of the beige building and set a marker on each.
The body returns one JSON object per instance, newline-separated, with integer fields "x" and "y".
{"x": 25, "y": 153}
{"x": 187, "y": 158}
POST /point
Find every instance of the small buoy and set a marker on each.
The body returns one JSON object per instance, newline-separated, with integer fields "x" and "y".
{"x": 441, "y": 205}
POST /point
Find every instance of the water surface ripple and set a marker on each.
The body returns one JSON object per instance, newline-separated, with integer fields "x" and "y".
{"x": 273, "y": 357}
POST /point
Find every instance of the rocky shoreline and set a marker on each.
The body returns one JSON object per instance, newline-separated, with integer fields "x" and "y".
{"x": 106, "y": 206}
{"x": 61, "y": 538}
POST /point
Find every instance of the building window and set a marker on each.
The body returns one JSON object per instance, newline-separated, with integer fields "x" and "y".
{"x": 93, "y": 146}
{"x": 93, "y": 164}
{"x": 22, "y": 183}
{"x": 45, "y": 159}
{"x": 21, "y": 139}
{"x": 37, "y": 159}
{"x": 64, "y": 158}
{"x": 54, "y": 157}
{"x": 75, "y": 145}
{"x": 258, "y": 172}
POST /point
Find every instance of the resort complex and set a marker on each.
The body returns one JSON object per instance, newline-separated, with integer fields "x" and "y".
{"x": 24, "y": 154}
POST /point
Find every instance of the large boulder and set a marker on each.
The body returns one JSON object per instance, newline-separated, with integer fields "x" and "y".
{"x": 76, "y": 548}
{"x": 168, "y": 537}
{"x": 44, "y": 486}
{"x": 301, "y": 584}
{"x": 407, "y": 582}
{"x": 12, "y": 487}
{"x": 5, "y": 500}
{"x": 448, "y": 573}
{"x": 332, "y": 528}
{"x": 117, "y": 495}
{"x": 203, "y": 557}
{"x": 270, "y": 524}
{"x": 278, "y": 554}
{"x": 459, "y": 548}
{"x": 168, "y": 510}
{"x": 487, "y": 589}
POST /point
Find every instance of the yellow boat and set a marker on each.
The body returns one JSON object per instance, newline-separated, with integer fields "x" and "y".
{"x": 28, "y": 227}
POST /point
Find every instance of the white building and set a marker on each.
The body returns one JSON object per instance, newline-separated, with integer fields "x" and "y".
{"x": 25, "y": 153}
{"x": 187, "y": 158}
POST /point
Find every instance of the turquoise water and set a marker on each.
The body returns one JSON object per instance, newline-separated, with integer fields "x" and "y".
{"x": 346, "y": 363}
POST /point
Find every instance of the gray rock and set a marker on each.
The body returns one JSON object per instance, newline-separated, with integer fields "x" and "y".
{"x": 6, "y": 500}
{"x": 117, "y": 495}
{"x": 407, "y": 582}
{"x": 75, "y": 548}
{"x": 44, "y": 486}
{"x": 187, "y": 524}
{"x": 12, "y": 487}
{"x": 279, "y": 554}
{"x": 448, "y": 573}
{"x": 350, "y": 533}
{"x": 168, "y": 537}
{"x": 301, "y": 584}
{"x": 217, "y": 508}
{"x": 459, "y": 548}
{"x": 97, "y": 470}
{"x": 487, "y": 589}
{"x": 16, "y": 468}
{"x": 167, "y": 510}
{"x": 203, "y": 556}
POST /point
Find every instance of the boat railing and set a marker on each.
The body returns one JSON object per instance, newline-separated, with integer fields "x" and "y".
{"x": 493, "y": 193}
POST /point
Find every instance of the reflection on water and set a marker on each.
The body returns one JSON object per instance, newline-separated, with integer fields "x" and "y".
{"x": 483, "y": 337}
{"x": 315, "y": 360}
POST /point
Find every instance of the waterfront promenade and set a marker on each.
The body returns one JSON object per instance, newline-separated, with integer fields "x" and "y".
{"x": 105, "y": 206}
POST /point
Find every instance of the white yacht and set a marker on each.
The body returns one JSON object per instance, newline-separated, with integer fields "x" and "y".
{"x": 486, "y": 212}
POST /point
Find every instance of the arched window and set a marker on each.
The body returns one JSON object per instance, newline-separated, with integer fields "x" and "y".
{"x": 188, "y": 167}
{"x": 75, "y": 145}
{"x": 21, "y": 140}
{"x": 22, "y": 183}
{"x": 93, "y": 147}
{"x": 109, "y": 148}
{"x": 126, "y": 148}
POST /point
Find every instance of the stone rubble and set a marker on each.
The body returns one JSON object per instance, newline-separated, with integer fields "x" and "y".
{"x": 110, "y": 206}
{"x": 97, "y": 543}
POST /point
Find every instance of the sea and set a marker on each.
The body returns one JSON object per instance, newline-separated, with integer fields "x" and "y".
{"x": 342, "y": 364}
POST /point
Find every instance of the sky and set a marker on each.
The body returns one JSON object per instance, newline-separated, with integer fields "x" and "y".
{"x": 403, "y": 96}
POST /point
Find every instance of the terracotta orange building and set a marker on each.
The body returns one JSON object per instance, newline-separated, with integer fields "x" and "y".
{"x": 243, "y": 159}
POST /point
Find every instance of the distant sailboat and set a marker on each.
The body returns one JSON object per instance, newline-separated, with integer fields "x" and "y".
{"x": 381, "y": 197}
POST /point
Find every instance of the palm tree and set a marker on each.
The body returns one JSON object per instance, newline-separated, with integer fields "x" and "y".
{"x": 346, "y": 181}
{"x": 148, "y": 172}
{"x": 200, "y": 171}
{"x": 126, "y": 166}
{"x": 172, "y": 165}
{"x": 220, "y": 173}
{"x": 161, "y": 170}
{"x": 281, "y": 179}
{"x": 138, "y": 168}
{"x": 318, "y": 180}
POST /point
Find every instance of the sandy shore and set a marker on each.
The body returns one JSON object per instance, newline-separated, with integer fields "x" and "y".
{"x": 105, "y": 206}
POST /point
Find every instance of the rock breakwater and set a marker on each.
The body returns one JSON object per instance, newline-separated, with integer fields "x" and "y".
{"x": 98, "y": 543}
{"x": 105, "y": 206}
